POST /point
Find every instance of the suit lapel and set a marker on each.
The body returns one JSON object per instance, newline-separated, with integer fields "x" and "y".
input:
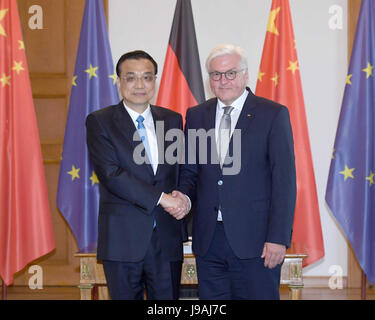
{"x": 245, "y": 119}
{"x": 247, "y": 114}
{"x": 209, "y": 124}
{"x": 125, "y": 124}
{"x": 210, "y": 117}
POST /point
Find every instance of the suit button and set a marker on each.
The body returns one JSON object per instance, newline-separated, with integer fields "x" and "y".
{"x": 220, "y": 182}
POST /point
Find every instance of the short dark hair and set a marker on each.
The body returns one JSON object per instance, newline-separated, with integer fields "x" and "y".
{"x": 135, "y": 55}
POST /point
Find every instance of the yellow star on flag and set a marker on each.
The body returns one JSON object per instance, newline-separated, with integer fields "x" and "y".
{"x": 74, "y": 81}
{"x": 368, "y": 70}
{"x": 18, "y": 67}
{"x": 275, "y": 79}
{"x": 260, "y": 75}
{"x": 371, "y": 178}
{"x": 2, "y": 15}
{"x": 74, "y": 173}
{"x": 21, "y": 45}
{"x": 94, "y": 178}
{"x": 293, "y": 66}
{"x": 92, "y": 71}
{"x": 333, "y": 153}
{"x": 114, "y": 77}
{"x": 4, "y": 80}
{"x": 349, "y": 79}
{"x": 347, "y": 173}
{"x": 271, "y": 22}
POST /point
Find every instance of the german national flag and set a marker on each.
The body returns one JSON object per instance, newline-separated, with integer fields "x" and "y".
{"x": 181, "y": 84}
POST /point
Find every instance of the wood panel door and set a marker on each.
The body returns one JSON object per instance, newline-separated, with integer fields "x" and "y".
{"x": 51, "y": 53}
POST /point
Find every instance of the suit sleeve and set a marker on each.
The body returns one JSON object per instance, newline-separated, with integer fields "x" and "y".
{"x": 282, "y": 162}
{"x": 112, "y": 176}
{"x": 189, "y": 169}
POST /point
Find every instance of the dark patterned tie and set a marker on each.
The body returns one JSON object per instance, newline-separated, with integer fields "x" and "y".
{"x": 224, "y": 134}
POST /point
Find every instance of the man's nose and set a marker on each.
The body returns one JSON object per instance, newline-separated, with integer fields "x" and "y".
{"x": 223, "y": 79}
{"x": 139, "y": 83}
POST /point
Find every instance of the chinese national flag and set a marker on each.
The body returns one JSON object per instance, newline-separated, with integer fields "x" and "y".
{"x": 279, "y": 80}
{"x": 181, "y": 85}
{"x": 25, "y": 222}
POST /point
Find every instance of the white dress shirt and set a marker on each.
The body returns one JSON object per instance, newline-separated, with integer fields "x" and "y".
{"x": 148, "y": 122}
{"x": 234, "y": 115}
{"x": 151, "y": 136}
{"x": 150, "y": 130}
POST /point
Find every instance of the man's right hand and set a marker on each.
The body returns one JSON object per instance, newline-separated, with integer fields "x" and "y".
{"x": 175, "y": 205}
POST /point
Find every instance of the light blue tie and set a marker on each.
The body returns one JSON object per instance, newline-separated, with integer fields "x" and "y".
{"x": 142, "y": 132}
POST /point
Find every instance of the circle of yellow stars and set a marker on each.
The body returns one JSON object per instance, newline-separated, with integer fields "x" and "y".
{"x": 91, "y": 71}
{"x": 348, "y": 172}
{"x": 18, "y": 68}
{"x": 368, "y": 70}
{"x": 74, "y": 173}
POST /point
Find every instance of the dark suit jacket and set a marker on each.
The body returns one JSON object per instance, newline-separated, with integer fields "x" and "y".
{"x": 129, "y": 192}
{"x": 257, "y": 204}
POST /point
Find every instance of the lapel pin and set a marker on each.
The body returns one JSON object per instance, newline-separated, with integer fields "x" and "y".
{"x": 248, "y": 115}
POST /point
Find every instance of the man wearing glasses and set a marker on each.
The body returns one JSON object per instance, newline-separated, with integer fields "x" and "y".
{"x": 243, "y": 222}
{"x": 139, "y": 243}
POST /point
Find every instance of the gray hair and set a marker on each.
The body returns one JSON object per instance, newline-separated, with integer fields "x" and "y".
{"x": 227, "y": 49}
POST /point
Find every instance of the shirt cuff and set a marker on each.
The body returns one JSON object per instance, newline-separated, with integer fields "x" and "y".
{"x": 160, "y": 198}
{"x": 189, "y": 201}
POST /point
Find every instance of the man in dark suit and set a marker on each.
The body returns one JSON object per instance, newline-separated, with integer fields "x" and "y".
{"x": 140, "y": 243}
{"x": 245, "y": 195}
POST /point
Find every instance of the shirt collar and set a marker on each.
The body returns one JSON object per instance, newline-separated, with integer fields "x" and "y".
{"x": 237, "y": 104}
{"x": 147, "y": 115}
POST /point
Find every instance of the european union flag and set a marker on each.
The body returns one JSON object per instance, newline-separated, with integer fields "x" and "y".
{"x": 93, "y": 87}
{"x": 350, "y": 189}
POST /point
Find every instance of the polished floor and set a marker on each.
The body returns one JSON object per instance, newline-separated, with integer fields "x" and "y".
{"x": 72, "y": 293}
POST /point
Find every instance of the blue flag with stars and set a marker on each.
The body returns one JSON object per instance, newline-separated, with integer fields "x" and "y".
{"x": 350, "y": 192}
{"x": 93, "y": 87}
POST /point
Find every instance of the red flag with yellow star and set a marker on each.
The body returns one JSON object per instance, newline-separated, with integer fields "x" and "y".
{"x": 25, "y": 223}
{"x": 279, "y": 80}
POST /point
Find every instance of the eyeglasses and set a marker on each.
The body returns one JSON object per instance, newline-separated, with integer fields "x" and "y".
{"x": 145, "y": 78}
{"x": 229, "y": 75}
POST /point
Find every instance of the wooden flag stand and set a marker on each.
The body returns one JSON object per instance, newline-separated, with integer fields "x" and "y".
{"x": 363, "y": 286}
{"x": 3, "y": 291}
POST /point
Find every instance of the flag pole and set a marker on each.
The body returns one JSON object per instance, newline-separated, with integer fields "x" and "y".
{"x": 363, "y": 286}
{"x": 3, "y": 291}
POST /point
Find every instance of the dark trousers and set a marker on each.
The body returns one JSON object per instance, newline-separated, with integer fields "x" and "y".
{"x": 223, "y": 276}
{"x": 129, "y": 280}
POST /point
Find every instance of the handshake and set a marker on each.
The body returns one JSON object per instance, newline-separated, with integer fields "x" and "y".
{"x": 176, "y": 204}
